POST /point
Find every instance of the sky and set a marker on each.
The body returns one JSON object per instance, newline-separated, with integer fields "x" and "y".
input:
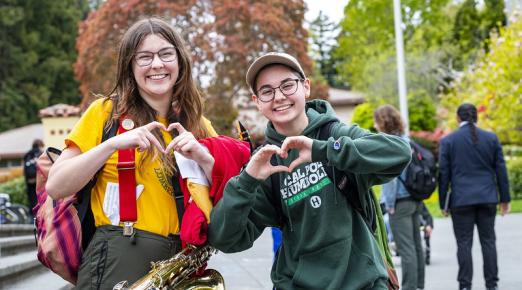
{"x": 332, "y": 8}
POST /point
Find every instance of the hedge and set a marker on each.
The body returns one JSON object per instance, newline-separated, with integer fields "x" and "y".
{"x": 514, "y": 167}
{"x": 16, "y": 190}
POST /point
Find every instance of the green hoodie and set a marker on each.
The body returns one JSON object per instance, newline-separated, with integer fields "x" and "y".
{"x": 326, "y": 244}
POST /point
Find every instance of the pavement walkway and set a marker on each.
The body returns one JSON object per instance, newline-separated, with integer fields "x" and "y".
{"x": 250, "y": 270}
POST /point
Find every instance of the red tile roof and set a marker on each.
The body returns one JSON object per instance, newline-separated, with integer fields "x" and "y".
{"x": 60, "y": 110}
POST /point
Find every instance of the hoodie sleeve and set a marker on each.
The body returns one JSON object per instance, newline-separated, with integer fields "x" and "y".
{"x": 380, "y": 156}
{"x": 240, "y": 217}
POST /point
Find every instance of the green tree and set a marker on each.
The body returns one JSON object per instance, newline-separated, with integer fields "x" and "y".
{"x": 494, "y": 86}
{"x": 37, "y": 39}
{"x": 224, "y": 37}
{"x": 322, "y": 34}
{"x": 441, "y": 39}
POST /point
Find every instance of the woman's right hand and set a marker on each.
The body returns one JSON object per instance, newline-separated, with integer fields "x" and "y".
{"x": 260, "y": 167}
{"x": 141, "y": 138}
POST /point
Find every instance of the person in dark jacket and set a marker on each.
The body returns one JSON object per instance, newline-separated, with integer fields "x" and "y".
{"x": 30, "y": 171}
{"x": 326, "y": 243}
{"x": 472, "y": 181}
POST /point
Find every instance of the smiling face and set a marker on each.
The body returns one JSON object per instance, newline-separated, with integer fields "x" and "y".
{"x": 156, "y": 80}
{"x": 287, "y": 113}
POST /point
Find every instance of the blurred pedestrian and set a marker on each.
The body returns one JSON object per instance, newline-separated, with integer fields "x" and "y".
{"x": 472, "y": 181}
{"x": 426, "y": 220}
{"x": 30, "y": 171}
{"x": 404, "y": 211}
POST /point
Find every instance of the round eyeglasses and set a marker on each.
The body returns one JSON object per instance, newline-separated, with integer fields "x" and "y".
{"x": 145, "y": 58}
{"x": 288, "y": 87}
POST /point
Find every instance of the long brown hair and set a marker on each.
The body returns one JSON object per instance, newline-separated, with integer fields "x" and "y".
{"x": 389, "y": 120}
{"x": 187, "y": 104}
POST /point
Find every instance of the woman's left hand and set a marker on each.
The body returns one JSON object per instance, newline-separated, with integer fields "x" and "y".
{"x": 187, "y": 145}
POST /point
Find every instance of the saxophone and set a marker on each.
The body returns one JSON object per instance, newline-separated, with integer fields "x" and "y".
{"x": 176, "y": 273}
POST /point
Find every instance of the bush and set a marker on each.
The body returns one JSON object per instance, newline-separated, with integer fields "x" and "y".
{"x": 514, "y": 168}
{"x": 421, "y": 112}
{"x": 16, "y": 190}
{"x": 512, "y": 151}
{"x": 363, "y": 116}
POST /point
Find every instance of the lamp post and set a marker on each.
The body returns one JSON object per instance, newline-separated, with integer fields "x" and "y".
{"x": 399, "y": 46}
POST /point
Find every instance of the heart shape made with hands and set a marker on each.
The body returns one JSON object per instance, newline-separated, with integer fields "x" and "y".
{"x": 183, "y": 141}
{"x": 301, "y": 144}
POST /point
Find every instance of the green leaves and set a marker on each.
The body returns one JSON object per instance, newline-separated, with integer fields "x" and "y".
{"x": 494, "y": 86}
{"x": 37, "y": 52}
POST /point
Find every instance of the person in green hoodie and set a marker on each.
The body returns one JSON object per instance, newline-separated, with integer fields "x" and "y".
{"x": 326, "y": 243}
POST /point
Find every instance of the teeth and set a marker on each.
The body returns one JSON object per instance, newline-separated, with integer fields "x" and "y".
{"x": 157, "y": 77}
{"x": 282, "y": 108}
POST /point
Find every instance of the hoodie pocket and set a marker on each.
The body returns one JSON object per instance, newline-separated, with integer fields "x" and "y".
{"x": 323, "y": 269}
{"x": 364, "y": 271}
{"x": 341, "y": 265}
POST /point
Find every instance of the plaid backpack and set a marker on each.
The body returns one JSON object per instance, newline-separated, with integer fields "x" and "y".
{"x": 64, "y": 227}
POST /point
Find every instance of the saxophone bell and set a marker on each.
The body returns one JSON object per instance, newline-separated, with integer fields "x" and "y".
{"x": 177, "y": 273}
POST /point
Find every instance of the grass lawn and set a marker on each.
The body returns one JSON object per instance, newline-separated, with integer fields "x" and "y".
{"x": 433, "y": 203}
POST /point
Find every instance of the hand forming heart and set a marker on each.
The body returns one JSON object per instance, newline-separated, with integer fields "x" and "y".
{"x": 141, "y": 138}
{"x": 260, "y": 167}
{"x": 304, "y": 146}
{"x": 186, "y": 144}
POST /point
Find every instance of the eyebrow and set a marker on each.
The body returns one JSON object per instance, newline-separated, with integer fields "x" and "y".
{"x": 156, "y": 51}
{"x": 268, "y": 86}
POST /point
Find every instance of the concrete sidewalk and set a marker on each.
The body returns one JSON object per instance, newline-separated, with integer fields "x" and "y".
{"x": 250, "y": 270}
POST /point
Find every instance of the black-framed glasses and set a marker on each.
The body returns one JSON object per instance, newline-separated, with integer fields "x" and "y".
{"x": 287, "y": 88}
{"x": 145, "y": 58}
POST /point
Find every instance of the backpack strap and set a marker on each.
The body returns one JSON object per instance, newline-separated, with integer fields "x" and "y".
{"x": 274, "y": 197}
{"x": 178, "y": 194}
{"x": 83, "y": 197}
{"x": 347, "y": 184}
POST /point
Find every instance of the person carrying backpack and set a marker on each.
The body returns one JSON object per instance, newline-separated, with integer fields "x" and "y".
{"x": 404, "y": 210}
{"x": 30, "y": 171}
{"x": 154, "y": 88}
{"x": 326, "y": 242}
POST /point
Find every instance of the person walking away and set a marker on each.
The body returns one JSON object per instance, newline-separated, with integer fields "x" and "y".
{"x": 404, "y": 211}
{"x": 427, "y": 226}
{"x": 30, "y": 171}
{"x": 472, "y": 181}
{"x": 326, "y": 242}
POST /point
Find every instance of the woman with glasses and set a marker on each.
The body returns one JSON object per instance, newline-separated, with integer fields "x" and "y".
{"x": 158, "y": 109}
{"x": 326, "y": 243}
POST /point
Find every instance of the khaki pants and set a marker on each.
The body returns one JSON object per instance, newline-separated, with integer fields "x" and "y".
{"x": 111, "y": 257}
{"x": 405, "y": 225}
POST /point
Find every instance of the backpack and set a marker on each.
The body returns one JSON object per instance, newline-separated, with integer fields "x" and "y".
{"x": 64, "y": 227}
{"x": 368, "y": 207}
{"x": 421, "y": 173}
